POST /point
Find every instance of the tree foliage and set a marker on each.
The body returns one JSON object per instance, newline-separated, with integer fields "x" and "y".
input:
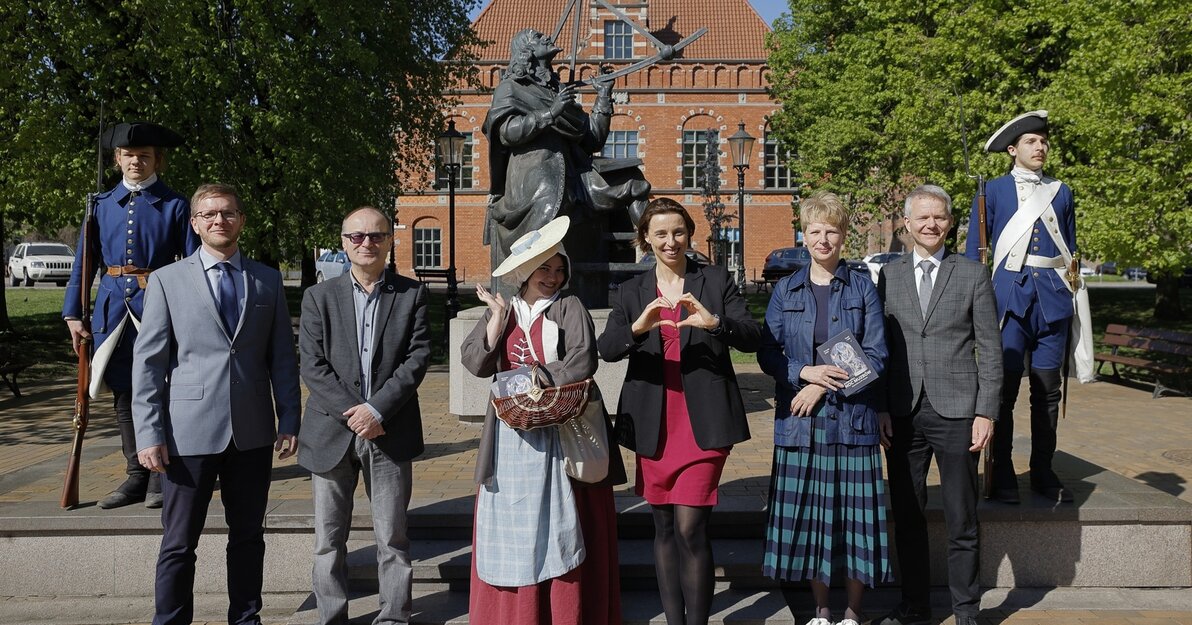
{"x": 872, "y": 97}
{"x": 308, "y": 106}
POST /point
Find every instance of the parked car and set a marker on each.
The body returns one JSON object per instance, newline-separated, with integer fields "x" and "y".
{"x": 40, "y": 262}
{"x": 332, "y": 264}
{"x": 1134, "y": 273}
{"x": 1087, "y": 271}
{"x": 1108, "y": 268}
{"x": 784, "y": 261}
{"x": 875, "y": 262}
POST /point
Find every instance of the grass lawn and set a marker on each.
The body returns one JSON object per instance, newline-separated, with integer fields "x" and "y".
{"x": 41, "y": 336}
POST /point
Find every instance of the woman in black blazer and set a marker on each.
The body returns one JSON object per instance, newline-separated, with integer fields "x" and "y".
{"x": 680, "y": 407}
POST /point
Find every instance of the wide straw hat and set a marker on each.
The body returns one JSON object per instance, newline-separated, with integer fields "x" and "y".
{"x": 531, "y": 250}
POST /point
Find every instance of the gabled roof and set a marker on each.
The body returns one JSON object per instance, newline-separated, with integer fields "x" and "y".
{"x": 735, "y": 30}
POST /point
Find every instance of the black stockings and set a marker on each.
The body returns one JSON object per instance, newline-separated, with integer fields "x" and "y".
{"x": 683, "y": 560}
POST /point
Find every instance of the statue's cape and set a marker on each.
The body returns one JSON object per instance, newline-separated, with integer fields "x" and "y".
{"x": 514, "y": 97}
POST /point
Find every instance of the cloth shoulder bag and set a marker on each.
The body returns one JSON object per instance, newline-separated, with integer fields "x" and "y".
{"x": 585, "y": 445}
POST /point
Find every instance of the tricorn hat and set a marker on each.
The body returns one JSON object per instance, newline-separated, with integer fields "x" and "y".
{"x": 1034, "y": 121}
{"x": 531, "y": 250}
{"x": 140, "y": 134}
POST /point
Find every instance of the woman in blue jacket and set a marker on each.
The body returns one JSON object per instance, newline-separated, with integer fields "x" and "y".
{"x": 827, "y": 500}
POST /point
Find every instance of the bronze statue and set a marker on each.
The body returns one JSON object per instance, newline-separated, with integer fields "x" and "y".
{"x": 541, "y": 159}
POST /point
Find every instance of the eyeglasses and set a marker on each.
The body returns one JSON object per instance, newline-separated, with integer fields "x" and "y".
{"x": 210, "y": 216}
{"x": 358, "y": 237}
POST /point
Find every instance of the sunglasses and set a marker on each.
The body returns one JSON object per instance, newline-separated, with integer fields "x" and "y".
{"x": 358, "y": 237}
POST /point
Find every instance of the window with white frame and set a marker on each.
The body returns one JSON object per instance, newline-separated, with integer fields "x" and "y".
{"x": 618, "y": 40}
{"x": 428, "y": 247}
{"x": 695, "y": 152}
{"x": 620, "y": 144}
{"x": 777, "y": 155}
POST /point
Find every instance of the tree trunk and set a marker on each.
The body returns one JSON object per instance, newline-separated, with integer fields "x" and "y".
{"x": 1167, "y": 298}
{"x": 5, "y": 322}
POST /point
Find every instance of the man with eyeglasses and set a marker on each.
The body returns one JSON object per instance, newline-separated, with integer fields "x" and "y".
{"x": 214, "y": 364}
{"x": 365, "y": 344}
{"x": 140, "y": 225}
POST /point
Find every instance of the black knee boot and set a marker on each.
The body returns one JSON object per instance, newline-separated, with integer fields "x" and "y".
{"x": 1045, "y": 415}
{"x": 135, "y": 485}
{"x": 1005, "y": 479}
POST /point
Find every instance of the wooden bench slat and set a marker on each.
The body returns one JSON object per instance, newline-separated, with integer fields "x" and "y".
{"x": 1156, "y": 345}
{"x": 1172, "y": 336}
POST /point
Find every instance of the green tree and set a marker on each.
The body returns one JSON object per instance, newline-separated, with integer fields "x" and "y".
{"x": 308, "y": 106}
{"x": 871, "y": 96}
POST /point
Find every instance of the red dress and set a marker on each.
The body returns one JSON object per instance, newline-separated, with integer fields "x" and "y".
{"x": 680, "y": 472}
{"x": 589, "y": 594}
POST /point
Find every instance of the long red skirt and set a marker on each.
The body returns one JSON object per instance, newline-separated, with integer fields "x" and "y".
{"x": 589, "y": 594}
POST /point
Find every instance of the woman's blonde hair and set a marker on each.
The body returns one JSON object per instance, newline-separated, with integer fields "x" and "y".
{"x": 823, "y": 207}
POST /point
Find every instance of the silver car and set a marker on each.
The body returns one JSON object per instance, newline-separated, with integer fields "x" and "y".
{"x": 875, "y": 261}
{"x": 331, "y": 265}
{"x": 40, "y": 262}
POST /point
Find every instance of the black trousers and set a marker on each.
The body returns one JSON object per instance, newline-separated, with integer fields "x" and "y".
{"x": 917, "y": 438}
{"x": 244, "y": 478}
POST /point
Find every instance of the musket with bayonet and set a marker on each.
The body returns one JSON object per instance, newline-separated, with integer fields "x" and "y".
{"x": 983, "y": 257}
{"x": 82, "y": 407}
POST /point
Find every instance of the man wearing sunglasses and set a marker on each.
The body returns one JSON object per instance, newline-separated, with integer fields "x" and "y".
{"x": 365, "y": 344}
{"x": 214, "y": 363}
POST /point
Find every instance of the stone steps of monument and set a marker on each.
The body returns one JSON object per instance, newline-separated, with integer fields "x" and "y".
{"x": 447, "y": 563}
{"x": 730, "y": 606}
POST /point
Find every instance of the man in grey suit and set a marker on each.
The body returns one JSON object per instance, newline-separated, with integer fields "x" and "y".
{"x": 943, "y": 382}
{"x": 213, "y": 364}
{"x": 365, "y": 344}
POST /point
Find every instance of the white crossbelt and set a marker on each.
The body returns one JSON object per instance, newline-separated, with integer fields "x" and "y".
{"x": 1047, "y": 262}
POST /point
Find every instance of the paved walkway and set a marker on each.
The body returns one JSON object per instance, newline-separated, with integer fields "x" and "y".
{"x": 1117, "y": 427}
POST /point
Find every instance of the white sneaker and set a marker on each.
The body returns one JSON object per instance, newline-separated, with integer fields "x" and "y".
{"x": 819, "y": 621}
{"x": 848, "y": 621}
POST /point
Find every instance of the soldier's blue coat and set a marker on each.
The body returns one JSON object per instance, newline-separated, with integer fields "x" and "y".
{"x": 1017, "y": 291}
{"x": 149, "y": 231}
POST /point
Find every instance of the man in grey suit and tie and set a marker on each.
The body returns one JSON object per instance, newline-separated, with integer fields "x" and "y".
{"x": 365, "y": 344}
{"x": 943, "y": 382}
{"x": 213, "y": 365}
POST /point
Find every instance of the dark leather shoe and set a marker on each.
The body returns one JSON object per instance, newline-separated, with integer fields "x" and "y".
{"x": 904, "y": 615}
{"x": 153, "y": 500}
{"x": 117, "y": 499}
{"x": 1054, "y": 493}
{"x": 1005, "y": 495}
{"x": 966, "y": 620}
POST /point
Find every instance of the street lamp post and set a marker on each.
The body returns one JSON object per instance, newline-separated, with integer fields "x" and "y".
{"x": 449, "y": 148}
{"x": 741, "y": 144}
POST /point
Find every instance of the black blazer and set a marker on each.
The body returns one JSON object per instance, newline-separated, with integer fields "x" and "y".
{"x": 713, "y": 397}
{"x": 331, "y": 368}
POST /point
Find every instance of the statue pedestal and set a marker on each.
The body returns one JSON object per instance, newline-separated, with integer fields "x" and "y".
{"x": 469, "y": 394}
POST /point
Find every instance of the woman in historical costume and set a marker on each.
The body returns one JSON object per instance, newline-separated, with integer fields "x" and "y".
{"x": 545, "y": 545}
{"x": 680, "y": 408}
{"x": 827, "y": 500}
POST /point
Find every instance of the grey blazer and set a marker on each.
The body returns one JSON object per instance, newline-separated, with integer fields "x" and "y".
{"x": 955, "y": 353}
{"x": 196, "y": 389}
{"x": 331, "y": 368}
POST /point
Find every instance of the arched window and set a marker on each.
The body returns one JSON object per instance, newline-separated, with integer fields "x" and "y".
{"x": 776, "y": 158}
{"x": 428, "y": 244}
{"x": 695, "y": 149}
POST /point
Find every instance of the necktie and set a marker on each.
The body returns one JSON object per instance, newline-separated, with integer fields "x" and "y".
{"x": 229, "y": 304}
{"x": 925, "y": 285}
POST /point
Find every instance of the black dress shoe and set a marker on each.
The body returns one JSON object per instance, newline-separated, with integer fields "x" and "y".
{"x": 118, "y": 498}
{"x": 1005, "y": 495}
{"x": 904, "y": 615}
{"x": 153, "y": 500}
{"x": 966, "y": 620}
{"x": 1054, "y": 493}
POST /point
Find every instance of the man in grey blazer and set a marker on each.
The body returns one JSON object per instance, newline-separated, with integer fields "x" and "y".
{"x": 943, "y": 382}
{"x": 365, "y": 344}
{"x": 213, "y": 365}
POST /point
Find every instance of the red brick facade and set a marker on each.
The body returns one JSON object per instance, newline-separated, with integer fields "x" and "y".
{"x": 716, "y": 82}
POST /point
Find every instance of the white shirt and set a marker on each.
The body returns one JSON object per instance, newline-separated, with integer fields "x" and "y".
{"x": 139, "y": 186}
{"x": 214, "y": 273}
{"x": 936, "y": 259}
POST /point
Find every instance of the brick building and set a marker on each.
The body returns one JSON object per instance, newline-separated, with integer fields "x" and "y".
{"x": 661, "y": 114}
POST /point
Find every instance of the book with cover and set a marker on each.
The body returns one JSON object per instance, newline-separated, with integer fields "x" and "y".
{"x": 845, "y": 352}
{"x": 512, "y": 382}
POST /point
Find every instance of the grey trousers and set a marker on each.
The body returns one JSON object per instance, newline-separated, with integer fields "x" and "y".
{"x": 388, "y": 486}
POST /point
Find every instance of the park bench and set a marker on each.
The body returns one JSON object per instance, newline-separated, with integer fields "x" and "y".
{"x": 1161, "y": 352}
{"x": 11, "y": 365}
{"x": 430, "y": 274}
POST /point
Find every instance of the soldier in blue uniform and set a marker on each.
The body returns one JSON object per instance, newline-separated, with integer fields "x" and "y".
{"x": 140, "y": 225}
{"x": 1031, "y": 225}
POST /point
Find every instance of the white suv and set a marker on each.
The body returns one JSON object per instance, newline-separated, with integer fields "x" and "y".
{"x": 41, "y": 262}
